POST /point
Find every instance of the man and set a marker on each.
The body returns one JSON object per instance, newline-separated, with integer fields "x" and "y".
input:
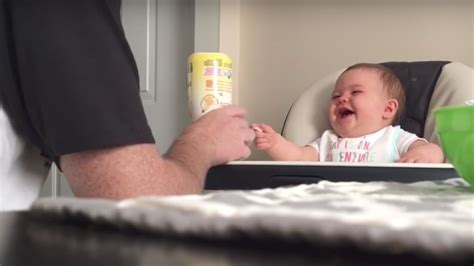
{"x": 69, "y": 85}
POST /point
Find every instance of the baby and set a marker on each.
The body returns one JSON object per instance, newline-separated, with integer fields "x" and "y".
{"x": 367, "y": 100}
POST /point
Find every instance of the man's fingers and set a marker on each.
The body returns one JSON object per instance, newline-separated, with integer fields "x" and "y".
{"x": 249, "y": 137}
{"x": 246, "y": 153}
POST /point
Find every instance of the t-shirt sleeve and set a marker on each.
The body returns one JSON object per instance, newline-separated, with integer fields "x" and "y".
{"x": 405, "y": 139}
{"x": 76, "y": 75}
{"x": 315, "y": 144}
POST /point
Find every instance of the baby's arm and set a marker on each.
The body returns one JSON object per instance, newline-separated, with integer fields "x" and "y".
{"x": 421, "y": 151}
{"x": 279, "y": 148}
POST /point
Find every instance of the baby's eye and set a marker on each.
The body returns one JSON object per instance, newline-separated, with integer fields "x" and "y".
{"x": 356, "y": 92}
{"x": 335, "y": 97}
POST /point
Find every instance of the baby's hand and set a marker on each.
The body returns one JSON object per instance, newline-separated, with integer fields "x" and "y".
{"x": 423, "y": 152}
{"x": 265, "y": 136}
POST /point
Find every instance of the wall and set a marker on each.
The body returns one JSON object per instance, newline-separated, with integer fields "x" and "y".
{"x": 284, "y": 46}
{"x": 206, "y": 25}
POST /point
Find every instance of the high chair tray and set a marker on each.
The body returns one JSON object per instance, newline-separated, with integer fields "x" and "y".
{"x": 270, "y": 174}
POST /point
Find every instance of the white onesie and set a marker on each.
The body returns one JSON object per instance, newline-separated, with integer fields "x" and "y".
{"x": 383, "y": 146}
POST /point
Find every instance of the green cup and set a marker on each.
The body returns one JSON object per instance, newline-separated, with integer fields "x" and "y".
{"x": 455, "y": 128}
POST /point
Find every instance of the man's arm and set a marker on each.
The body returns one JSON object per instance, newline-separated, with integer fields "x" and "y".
{"x": 127, "y": 171}
{"x": 134, "y": 170}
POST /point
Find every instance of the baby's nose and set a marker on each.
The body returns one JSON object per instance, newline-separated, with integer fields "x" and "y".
{"x": 342, "y": 99}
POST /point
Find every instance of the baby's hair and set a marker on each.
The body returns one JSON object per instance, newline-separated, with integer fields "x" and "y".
{"x": 391, "y": 85}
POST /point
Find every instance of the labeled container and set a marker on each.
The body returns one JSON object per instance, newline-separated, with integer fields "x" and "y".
{"x": 209, "y": 82}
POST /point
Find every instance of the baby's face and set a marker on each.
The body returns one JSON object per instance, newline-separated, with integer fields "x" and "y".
{"x": 358, "y": 103}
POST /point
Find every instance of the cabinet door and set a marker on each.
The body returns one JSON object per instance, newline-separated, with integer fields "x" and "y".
{"x": 161, "y": 36}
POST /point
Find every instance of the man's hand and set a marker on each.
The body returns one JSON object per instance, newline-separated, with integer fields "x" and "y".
{"x": 222, "y": 135}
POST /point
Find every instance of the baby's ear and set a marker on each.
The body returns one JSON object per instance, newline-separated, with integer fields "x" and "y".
{"x": 391, "y": 107}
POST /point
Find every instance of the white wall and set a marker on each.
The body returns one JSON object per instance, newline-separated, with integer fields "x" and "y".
{"x": 284, "y": 46}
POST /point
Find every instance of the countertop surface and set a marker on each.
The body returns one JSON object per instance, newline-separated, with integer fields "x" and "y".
{"x": 27, "y": 239}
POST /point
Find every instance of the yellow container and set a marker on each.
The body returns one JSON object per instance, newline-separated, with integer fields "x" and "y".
{"x": 209, "y": 82}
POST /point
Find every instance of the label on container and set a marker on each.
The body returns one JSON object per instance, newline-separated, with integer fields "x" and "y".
{"x": 209, "y": 82}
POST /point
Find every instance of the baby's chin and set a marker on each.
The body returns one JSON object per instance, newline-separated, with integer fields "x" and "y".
{"x": 342, "y": 132}
{"x": 355, "y": 130}
{"x": 349, "y": 132}
{"x": 344, "y": 135}
{"x": 353, "y": 133}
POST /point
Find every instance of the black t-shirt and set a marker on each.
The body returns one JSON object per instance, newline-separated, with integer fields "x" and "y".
{"x": 68, "y": 79}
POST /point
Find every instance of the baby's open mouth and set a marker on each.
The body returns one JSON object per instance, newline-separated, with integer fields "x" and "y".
{"x": 345, "y": 112}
